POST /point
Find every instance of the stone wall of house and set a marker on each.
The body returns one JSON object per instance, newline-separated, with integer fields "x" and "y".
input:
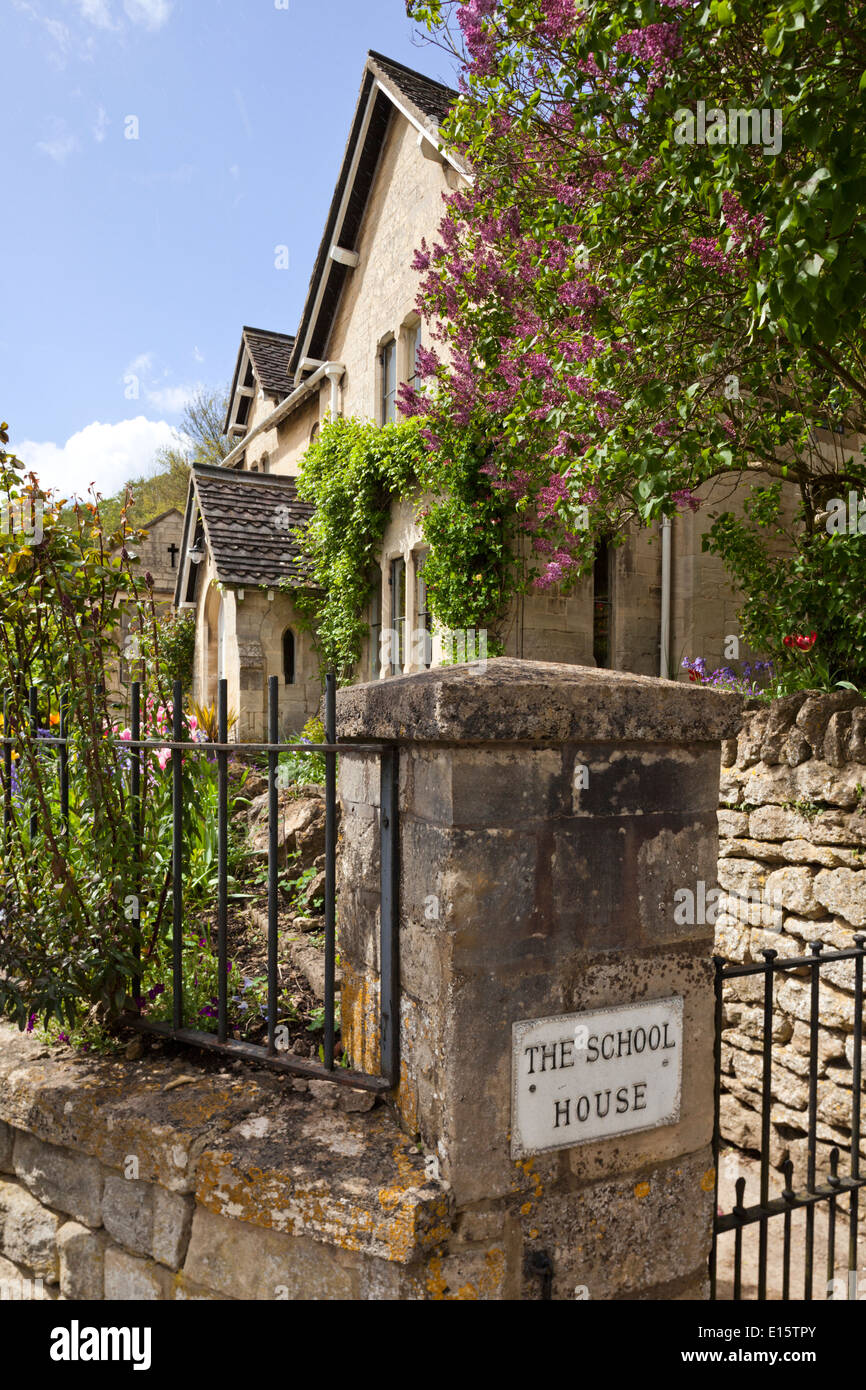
{"x": 254, "y": 628}
{"x": 155, "y": 554}
{"x": 704, "y": 603}
{"x": 792, "y": 869}
{"x": 404, "y": 207}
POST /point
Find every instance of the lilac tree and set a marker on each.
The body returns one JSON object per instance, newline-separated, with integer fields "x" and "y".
{"x": 656, "y": 276}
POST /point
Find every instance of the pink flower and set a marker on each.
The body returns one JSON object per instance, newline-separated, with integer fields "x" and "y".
{"x": 684, "y": 497}
{"x": 421, "y": 259}
{"x": 549, "y": 497}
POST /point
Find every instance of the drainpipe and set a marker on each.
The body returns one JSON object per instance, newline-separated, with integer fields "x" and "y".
{"x": 665, "y": 635}
{"x": 335, "y": 371}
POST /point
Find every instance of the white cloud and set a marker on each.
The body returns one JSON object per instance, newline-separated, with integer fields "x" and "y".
{"x": 147, "y": 377}
{"x": 60, "y": 146}
{"x": 100, "y": 125}
{"x": 141, "y": 364}
{"x": 198, "y": 354}
{"x": 54, "y": 27}
{"x": 107, "y": 455}
{"x": 97, "y": 12}
{"x": 171, "y": 399}
{"x": 153, "y": 14}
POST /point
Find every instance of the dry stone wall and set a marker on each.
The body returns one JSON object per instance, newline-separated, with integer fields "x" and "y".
{"x": 792, "y": 871}
{"x": 158, "y": 1180}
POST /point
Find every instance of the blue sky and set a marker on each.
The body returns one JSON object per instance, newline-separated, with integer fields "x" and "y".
{"x": 129, "y": 265}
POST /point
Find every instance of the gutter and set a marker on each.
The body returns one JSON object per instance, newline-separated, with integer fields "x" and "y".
{"x": 334, "y": 371}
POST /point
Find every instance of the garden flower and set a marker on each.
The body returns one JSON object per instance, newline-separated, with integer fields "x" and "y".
{"x": 801, "y": 641}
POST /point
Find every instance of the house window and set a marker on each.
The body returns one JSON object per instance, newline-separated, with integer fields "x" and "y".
{"x": 376, "y": 627}
{"x": 388, "y": 367}
{"x": 398, "y": 616}
{"x": 289, "y": 656}
{"x": 423, "y": 624}
{"x": 314, "y": 432}
{"x": 413, "y": 342}
{"x": 601, "y": 603}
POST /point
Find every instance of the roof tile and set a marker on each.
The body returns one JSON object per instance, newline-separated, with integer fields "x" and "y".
{"x": 249, "y": 521}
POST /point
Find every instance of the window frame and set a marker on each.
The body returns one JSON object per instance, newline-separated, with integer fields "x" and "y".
{"x": 289, "y": 636}
{"x": 388, "y": 374}
{"x": 397, "y": 578}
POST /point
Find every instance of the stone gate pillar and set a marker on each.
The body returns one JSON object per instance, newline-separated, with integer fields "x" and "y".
{"x": 557, "y": 835}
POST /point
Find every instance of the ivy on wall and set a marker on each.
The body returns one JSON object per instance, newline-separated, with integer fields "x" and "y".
{"x": 352, "y": 474}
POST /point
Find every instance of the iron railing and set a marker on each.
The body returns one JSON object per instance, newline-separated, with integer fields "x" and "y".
{"x": 268, "y": 1055}
{"x": 835, "y": 1186}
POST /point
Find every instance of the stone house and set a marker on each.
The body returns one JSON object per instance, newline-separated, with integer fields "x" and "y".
{"x": 158, "y": 554}
{"x": 648, "y": 603}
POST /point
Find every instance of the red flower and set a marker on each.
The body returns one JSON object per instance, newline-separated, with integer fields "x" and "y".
{"x": 801, "y": 641}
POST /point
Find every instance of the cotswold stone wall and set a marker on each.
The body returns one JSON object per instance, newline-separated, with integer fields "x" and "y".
{"x": 792, "y": 870}
{"x": 157, "y": 1180}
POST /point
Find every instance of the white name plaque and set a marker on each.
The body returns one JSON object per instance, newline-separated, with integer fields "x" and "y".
{"x": 582, "y": 1077}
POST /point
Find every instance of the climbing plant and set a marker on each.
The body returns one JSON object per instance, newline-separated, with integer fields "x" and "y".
{"x": 352, "y": 473}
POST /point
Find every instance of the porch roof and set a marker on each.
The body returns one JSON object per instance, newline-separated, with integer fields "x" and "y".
{"x": 249, "y": 520}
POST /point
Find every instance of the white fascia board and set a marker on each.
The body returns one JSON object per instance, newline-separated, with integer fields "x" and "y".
{"x": 338, "y": 222}
{"x": 431, "y": 135}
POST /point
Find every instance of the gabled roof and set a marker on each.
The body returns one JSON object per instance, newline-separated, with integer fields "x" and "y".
{"x": 386, "y": 86}
{"x": 248, "y": 521}
{"x": 270, "y": 353}
{"x": 432, "y": 100}
{"x": 267, "y": 353}
{"x": 163, "y": 516}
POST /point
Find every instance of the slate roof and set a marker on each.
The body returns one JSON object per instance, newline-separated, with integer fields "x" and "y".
{"x": 248, "y": 522}
{"x": 270, "y": 353}
{"x": 431, "y": 99}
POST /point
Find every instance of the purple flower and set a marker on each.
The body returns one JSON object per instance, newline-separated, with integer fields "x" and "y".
{"x": 30, "y": 1023}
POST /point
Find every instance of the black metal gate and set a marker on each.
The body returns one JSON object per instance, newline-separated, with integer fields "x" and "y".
{"x": 179, "y": 746}
{"x": 803, "y": 1190}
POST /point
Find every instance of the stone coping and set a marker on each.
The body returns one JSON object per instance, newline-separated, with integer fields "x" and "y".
{"x": 508, "y": 700}
{"x": 272, "y": 1151}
